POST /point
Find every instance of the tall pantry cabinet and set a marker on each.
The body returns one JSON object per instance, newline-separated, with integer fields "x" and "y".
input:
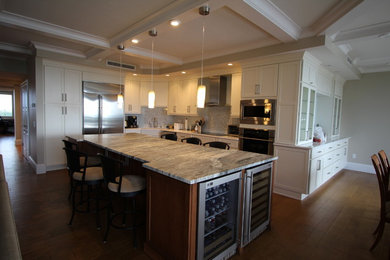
{"x": 62, "y": 111}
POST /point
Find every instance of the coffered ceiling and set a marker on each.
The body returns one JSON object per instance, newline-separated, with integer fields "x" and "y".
{"x": 349, "y": 36}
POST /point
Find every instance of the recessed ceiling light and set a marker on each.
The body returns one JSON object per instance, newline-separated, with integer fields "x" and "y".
{"x": 230, "y": 64}
{"x": 174, "y": 23}
{"x": 183, "y": 72}
{"x": 134, "y": 74}
{"x": 135, "y": 41}
{"x": 167, "y": 75}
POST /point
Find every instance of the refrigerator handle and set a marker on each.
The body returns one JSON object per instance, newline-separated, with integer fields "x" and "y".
{"x": 100, "y": 130}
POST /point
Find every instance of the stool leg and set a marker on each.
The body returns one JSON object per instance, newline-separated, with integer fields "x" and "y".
{"x": 134, "y": 223}
{"x": 379, "y": 235}
{"x": 125, "y": 210}
{"x": 73, "y": 202}
{"x": 109, "y": 210}
{"x": 98, "y": 225}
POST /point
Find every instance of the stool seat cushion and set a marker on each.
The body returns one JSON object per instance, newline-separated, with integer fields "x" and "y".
{"x": 91, "y": 174}
{"x": 130, "y": 183}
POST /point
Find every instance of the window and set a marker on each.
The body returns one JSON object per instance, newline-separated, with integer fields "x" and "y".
{"x": 6, "y": 105}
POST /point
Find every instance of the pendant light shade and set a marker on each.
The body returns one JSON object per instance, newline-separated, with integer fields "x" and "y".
{"x": 201, "y": 96}
{"x": 120, "y": 94}
{"x": 151, "y": 98}
{"x": 201, "y": 93}
{"x": 151, "y": 93}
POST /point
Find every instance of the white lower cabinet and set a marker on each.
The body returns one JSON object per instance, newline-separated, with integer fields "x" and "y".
{"x": 301, "y": 170}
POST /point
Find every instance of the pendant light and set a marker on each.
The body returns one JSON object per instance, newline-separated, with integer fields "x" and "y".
{"x": 151, "y": 94}
{"x": 201, "y": 93}
{"x": 120, "y": 95}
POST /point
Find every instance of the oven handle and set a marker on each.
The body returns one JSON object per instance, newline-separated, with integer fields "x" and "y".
{"x": 257, "y": 139}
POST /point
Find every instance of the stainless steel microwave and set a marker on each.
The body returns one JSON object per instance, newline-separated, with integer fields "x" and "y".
{"x": 258, "y": 111}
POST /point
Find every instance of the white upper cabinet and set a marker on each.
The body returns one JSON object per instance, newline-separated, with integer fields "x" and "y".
{"x": 172, "y": 97}
{"x": 182, "y": 97}
{"x": 306, "y": 114}
{"x": 160, "y": 89}
{"x": 259, "y": 82}
{"x": 132, "y": 97}
{"x": 339, "y": 83}
{"x": 235, "y": 95}
{"x": 324, "y": 82}
{"x": 309, "y": 72}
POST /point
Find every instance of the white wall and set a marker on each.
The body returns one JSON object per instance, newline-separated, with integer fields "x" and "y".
{"x": 366, "y": 118}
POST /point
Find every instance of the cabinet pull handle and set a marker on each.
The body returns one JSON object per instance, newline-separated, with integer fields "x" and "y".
{"x": 318, "y": 165}
{"x": 257, "y": 89}
{"x": 62, "y": 97}
{"x": 66, "y": 97}
{"x": 62, "y": 110}
{"x": 66, "y": 110}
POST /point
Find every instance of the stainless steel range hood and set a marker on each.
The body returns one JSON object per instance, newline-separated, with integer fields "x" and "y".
{"x": 216, "y": 87}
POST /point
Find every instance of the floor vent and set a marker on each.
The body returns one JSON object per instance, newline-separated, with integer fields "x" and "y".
{"x": 117, "y": 64}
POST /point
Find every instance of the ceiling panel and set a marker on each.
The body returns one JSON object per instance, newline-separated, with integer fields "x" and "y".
{"x": 305, "y": 12}
{"x": 98, "y": 17}
{"x": 225, "y": 31}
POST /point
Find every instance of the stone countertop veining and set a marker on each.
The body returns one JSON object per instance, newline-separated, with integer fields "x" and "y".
{"x": 185, "y": 162}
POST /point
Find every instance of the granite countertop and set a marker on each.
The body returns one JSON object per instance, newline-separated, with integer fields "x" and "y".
{"x": 185, "y": 162}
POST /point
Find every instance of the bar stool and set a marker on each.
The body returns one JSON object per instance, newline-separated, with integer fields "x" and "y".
{"x": 192, "y": 140}
{"x": 216, "y": 144}
{"x": 81, "y": 176}
{"x": 125, "y": 187}
{"x": 169, "y": 136}
{"x": 93, "y": 161}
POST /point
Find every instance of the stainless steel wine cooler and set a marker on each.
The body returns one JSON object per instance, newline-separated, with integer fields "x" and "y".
{"x": 257, "y": 202}
{"x": 218, "y": 217}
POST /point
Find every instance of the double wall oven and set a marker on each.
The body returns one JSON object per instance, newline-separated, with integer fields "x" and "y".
{"x": 257, "y": 126}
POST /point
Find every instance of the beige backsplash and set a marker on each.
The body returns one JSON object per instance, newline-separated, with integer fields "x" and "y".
{"x": 216, "y": 119}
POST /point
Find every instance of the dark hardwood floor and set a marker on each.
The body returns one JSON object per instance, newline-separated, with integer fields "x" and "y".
{"x": 336, "y": 222}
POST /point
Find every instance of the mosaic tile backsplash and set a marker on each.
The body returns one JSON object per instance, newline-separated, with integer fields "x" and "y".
{"x": 216, "y": 119}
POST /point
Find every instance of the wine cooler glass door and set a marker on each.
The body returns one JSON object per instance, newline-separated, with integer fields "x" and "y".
{"x": 218, "y": 218}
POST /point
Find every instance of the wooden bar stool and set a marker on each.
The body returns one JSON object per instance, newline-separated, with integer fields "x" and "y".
{"x": 216, "y": 144}
{"x": 169, "y": 136}
{"x": 126, "y": 187}
{"x": 192, "y": 140}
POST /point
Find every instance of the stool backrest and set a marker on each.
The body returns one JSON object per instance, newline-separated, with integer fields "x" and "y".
{"x": 169, "y": 136}
{"x": 70, "y": 145}
{"x": 73, "y": 160}
{"x": 380, "y": 176}
{"x": 112, "y": 169}
{"x": 216, "y": 144}
{"x": 192, "y": 140}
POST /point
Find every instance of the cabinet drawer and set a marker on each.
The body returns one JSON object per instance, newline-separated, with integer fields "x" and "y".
{"x": 328, "y": 159}
{"x": 318, "y": 151}
{"x": 338, "y": 166}
{"x": 338, "y": 153}
{"x": 328, "y": 173}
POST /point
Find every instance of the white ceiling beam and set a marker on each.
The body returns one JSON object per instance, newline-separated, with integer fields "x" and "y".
{"x": 55, "y": 49}
{"x": 19, "y": 21}
{"x": 141, "y": 52}
{"x": 168, "y": 12}
{"x": 269, "y": 17}
{"x": 14, "y": 48}
{"x": 332, "y": 15}
{"x": 365, "y": 32}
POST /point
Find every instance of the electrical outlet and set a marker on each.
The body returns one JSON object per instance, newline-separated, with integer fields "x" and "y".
{"x": 354, "y": 156}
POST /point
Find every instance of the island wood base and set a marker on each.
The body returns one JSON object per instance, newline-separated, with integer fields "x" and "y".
{"x": 171, "y": 218}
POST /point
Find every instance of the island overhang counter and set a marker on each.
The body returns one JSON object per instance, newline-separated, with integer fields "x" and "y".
{"x": 173, "y": 171}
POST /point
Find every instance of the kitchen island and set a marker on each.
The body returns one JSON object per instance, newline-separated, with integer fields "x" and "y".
{"x": 173, "y": 171}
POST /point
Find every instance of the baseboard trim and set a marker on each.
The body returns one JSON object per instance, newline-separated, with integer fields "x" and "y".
{"x": 289, "y": 194}
{"x": 39, "y": 168}
{"x": 360, "y": 167}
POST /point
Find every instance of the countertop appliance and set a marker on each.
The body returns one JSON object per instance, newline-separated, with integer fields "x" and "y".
{"x": 101, "y": 113}
{"x": 258, "y": 111}
{"x": 131, "y": 122}
{"x": 218, "y": 217}
{"x": 257, "y": 140}
{"x": 257, "y": 202}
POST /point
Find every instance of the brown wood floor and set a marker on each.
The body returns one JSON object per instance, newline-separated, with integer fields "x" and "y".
{"x": 336, "y": 222}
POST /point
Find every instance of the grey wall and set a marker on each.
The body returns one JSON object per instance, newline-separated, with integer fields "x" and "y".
{"x": 366, "y": 116}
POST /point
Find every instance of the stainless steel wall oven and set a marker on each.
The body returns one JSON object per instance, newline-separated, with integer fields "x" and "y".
{"x": 257, "y": 140}
{"x": 258, "y": 111}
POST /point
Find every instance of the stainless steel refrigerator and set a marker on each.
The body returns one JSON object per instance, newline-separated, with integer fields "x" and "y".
{"x": 101, "y": 112}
